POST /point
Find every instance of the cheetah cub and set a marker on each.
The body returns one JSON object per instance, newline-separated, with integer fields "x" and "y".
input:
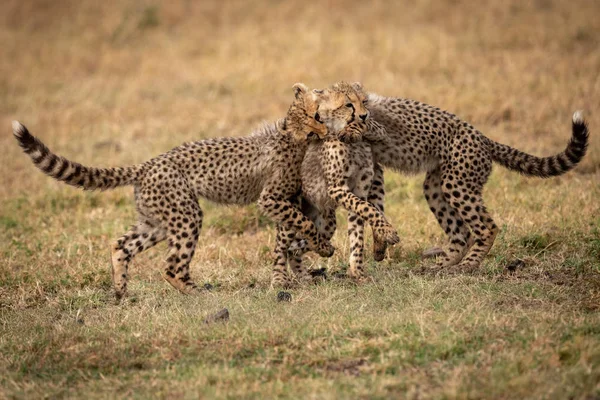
{"x": 263, "y": 167}
{"x": 338, "y": 172}
{"x": 457, "y": 160}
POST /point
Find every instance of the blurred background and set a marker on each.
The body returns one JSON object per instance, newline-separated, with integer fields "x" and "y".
{"x": 156, "y": 73}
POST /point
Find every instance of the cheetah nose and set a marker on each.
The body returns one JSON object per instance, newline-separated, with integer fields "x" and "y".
{"x": 364, "y": 116}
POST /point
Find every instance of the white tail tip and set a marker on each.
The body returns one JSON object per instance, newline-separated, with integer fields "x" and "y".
{"x": 578, "y": 117}
{"x": 18, "y": 128}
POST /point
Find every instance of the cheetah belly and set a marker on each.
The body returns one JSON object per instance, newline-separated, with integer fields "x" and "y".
{"x": 314, "y": 185}
{"x": 360, "y": 162}
{"x": 395, "y": 155}
{"x": 232, "y": 185}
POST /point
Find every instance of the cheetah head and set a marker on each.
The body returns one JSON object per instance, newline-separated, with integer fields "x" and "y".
{"x": 299, "y": 120}
{"x": 342, "y": 109}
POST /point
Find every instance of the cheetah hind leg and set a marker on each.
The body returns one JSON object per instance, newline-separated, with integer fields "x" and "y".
{"x": 325, "y": 223}
{"x": 140, "y": 237}
{"x": 177, "y": 272}
{"x": 435, "y": 251}
{"x": 356, "y": 227}
{"x": 449, "y": 220}
{"x": 483, "y": 226}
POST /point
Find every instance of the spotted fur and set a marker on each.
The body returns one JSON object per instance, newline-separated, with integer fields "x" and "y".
{"x": 457, "y": 160}
{"x": 263, "y": 167}
{"x": 339, "y": 172}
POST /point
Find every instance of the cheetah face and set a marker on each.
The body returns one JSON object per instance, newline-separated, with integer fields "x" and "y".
{"x": 342, "y": 109}
{"x": 299, "y": 119}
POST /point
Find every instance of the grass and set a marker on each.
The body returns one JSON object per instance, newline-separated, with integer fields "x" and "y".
{"x": 114, "y": 85}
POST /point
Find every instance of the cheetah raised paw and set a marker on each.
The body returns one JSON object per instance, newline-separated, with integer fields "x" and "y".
{"x": 349, "y": 136}
{"x": 324, "y": 248}
{"x": 388, "y": 234}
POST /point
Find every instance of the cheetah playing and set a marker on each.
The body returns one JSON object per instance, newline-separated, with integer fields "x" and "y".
{"x": 263, "y": 167}
{"x": 457, "y": 160}
{"x": 337, "y": 173}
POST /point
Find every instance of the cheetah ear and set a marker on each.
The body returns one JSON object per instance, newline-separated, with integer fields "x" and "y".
{"x": 317, "y": 94}
{"x": 299, "y": 90}
{"x": 357, "y": 86}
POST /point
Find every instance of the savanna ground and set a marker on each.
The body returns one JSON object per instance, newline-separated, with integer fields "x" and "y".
{"x": 115, "y": 84}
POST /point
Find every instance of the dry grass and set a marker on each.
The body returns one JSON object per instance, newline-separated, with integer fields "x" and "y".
{"x": 111, "y": 85}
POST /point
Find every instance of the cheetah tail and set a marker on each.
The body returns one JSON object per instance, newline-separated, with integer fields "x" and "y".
{"x": 544, "y": 167}
{"x": 70, "y": 172}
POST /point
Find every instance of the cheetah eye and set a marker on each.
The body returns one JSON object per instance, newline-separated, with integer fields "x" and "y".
{"x": 365, "y": 102}
{"x": 318, "y": 117}
{"x": 349, "y": 105}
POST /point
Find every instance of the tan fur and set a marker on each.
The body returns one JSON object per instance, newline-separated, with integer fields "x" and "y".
{"x": 339, "y": 171}
{"x": 263, "y": 167}
{"x": 458, "y": 160}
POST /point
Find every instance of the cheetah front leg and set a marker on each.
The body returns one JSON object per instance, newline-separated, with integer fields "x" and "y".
{"x": 377, "y": 133}
{"x": 326, "y": 225}
{"x": 290, "y": 248}
{"x": 381, "y": 228}
{"x": 356, "y": 226}
{"x": 283, "y": 212}
{"x": 356, "y": 237}
{"x": 376, "y": 197}
{"x": 283, "y": 239}
{"x": 335, "y": 160}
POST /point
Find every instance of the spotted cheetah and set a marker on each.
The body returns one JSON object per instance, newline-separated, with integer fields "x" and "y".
{"x": 338, "y": 171}
{"x": 263, "y": 167}
{"x": 457, "y": 160}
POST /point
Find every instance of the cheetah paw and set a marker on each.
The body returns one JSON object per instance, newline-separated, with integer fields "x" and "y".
{"x": 467, "y": 266}
{"x": 379, "y": 248}
{"x": 360, "y": 279}
{"x": 325, "y": 248}
{"x": 388, "y": 234}
{"x": 350, "y": 137}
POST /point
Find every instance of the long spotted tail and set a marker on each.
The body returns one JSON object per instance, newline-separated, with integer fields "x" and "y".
{"x": 544, "y": 167}
{"x": 70, "y": 172}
